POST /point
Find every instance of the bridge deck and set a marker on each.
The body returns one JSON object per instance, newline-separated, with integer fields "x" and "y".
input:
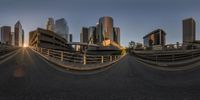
{"x": 27, "y": 76}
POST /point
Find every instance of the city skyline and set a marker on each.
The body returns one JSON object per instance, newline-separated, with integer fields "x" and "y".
{"x": 135, "y": 18}
{"x": 99, "y": 49}
{"x": 104, "y": 30}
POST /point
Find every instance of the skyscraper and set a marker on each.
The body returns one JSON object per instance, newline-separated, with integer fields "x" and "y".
{"x": 116, "y": 35}
{"x": 18, "y": 34}
{"x": 189, "y": 30}
{"x": 13, "y": 38}
{"x": 99, "y": 35}
{"x": 6, "y": 35}
{"x": 106, "y": 27}
{"x": 92, "y": 35}
{"x": 70, "y": 37}
{"x": 50, "y": 24}
{"x": 62, "y": 28}
{"x": 84, "y": 36}
{"x": 0, "y": 35}
{"x": 22, "y": 37}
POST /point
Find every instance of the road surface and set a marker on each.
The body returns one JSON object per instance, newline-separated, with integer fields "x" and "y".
{"x": 27, "y": 76}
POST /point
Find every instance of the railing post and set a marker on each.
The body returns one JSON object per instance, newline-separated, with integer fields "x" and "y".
{"x": 41, "y": 50}
{"x": 192, "y": 55}
{"x": 115, "y": 57}
{"x": 48, "y": 52}
{"x": 156, "y": 58}
{"x": 102, "y": 59}
{"x": 62, "y": 55}
{"x": 84, "y": 59}
{"x": 110, "y": 58}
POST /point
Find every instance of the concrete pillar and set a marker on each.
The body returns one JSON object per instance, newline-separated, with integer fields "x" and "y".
{"x": 110, "y": 58}
{"x": 48, "y": 52}
{"x": 41, "y": 50}
{"x": 61, "y": 55}
{"x": 102, "y": 60}
{"x": 156, "y": 58}
{"x": 84, "y": 59}
{"x": 192, "y": 55}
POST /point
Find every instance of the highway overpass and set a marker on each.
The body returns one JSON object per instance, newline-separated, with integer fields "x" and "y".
{"x": 27, "y": 76}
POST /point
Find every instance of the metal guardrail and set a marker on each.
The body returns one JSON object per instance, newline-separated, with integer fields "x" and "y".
{"x": 168, "y": 56}
{"x": 66, "y": 56}
{"x": 6, "y": 49}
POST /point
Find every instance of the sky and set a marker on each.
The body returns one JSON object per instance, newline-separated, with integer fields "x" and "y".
{"x": 136, "y": 18}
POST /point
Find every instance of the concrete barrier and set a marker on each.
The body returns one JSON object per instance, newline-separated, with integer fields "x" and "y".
{"x": 78, "y": 67}
{"x": 171, "y": 66}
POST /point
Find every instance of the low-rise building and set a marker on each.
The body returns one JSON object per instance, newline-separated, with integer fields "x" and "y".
{"x": 156, "y": 37}
{"x": 47, "y": 39}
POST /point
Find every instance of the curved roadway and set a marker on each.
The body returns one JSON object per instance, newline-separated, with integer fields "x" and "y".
{"x": 27, "y": 76}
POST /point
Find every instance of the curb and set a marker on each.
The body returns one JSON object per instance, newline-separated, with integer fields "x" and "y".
{"x": 8, "y": 56}
{"x": 75, "y": 68}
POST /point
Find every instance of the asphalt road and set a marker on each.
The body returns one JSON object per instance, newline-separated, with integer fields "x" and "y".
{"x": 27, "y": 76}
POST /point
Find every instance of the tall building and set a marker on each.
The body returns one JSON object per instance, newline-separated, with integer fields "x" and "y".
{"x": 92, "y": 35}
{"x": 106, "y": 27}
{"x": 22, "y": 37}
{"x": 70, "y": 37}
{"x": 13, "y": 38}
{"x": 50, "y": 24}
{"x": 116, "y": 35}
{"x": 62, "y": 28}
{"x": 84, "y": 36}
{"x": 0, "y": 36}
{"x": 99, "y": 35}
{"x": 156, "y": 37}
{"x": 189, "y": 30}
{"x": 88, "y": 35}
{"x": 18, "y": 34}
{"x": 6, "y": 35}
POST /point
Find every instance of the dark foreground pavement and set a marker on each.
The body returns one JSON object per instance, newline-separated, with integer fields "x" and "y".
{"x": 28, "y": 77}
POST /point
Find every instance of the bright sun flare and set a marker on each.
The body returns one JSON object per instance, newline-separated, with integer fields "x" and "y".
{"x": 25, "y": 46}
